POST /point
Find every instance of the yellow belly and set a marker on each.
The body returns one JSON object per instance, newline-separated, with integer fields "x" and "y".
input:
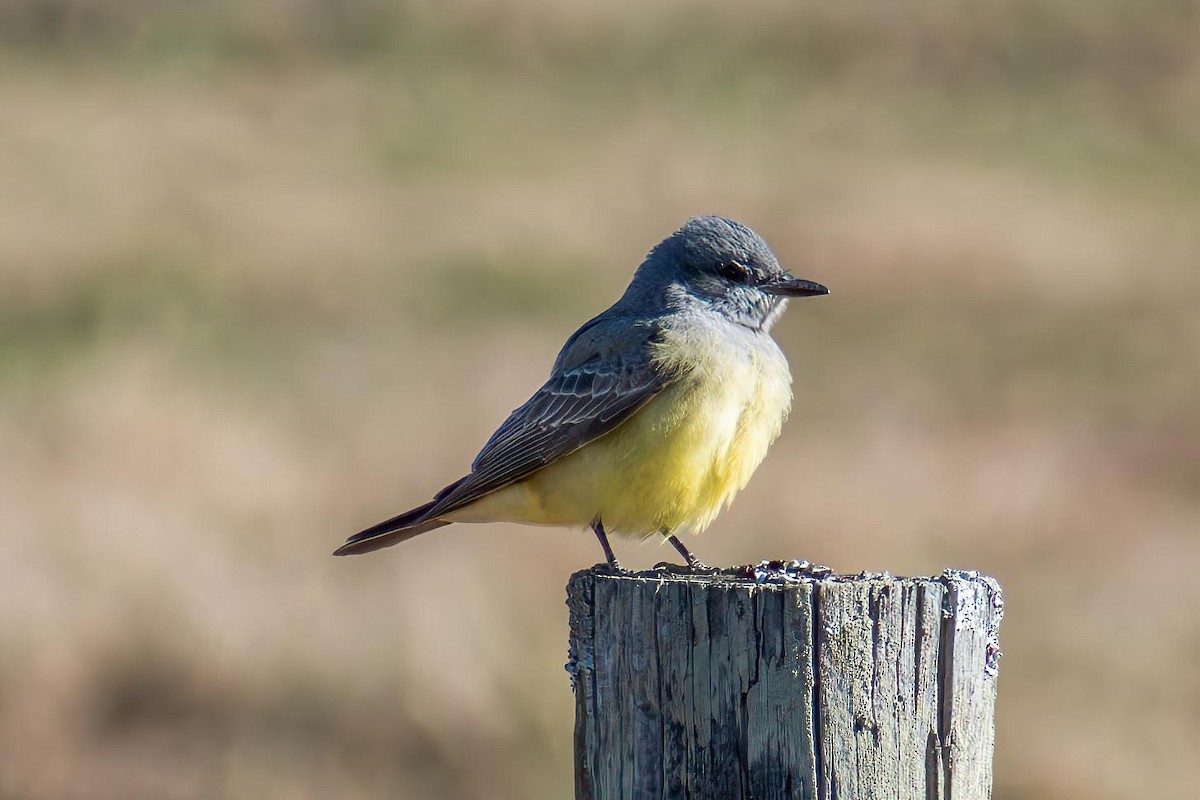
{"x": 675, "y": 463}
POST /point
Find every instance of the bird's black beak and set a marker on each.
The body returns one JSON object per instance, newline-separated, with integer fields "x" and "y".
{"x": 787, "y": 286}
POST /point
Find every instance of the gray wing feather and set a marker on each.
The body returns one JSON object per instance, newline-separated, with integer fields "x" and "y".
{"x": 587, "y": 399}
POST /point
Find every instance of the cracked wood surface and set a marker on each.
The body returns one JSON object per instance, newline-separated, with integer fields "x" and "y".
{"x": 723, "y": 686}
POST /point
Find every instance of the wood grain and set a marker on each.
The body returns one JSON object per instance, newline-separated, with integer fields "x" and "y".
{"x": 783, "y": 685}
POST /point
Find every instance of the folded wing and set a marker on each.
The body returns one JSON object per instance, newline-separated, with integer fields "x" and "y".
{"x": 593, "y": 390}
{"x": 573, "y": 408}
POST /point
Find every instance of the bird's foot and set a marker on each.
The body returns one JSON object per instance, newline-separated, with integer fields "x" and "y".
{"x": 609, "y": 556}
{"x": 694, "y": 564}
{"x": 684, "y": 569}
{"x": 615, "y": 566}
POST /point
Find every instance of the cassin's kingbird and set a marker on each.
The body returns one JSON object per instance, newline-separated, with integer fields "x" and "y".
{"x": 656, "y": 412}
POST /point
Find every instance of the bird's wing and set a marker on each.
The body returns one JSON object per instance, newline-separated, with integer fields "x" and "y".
{"x": 576, "y": 406}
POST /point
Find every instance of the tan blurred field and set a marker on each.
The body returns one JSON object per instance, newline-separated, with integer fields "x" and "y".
{"x": 271, "y": 272}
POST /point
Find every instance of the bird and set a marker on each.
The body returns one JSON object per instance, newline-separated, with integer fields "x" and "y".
{"x": 656, "y": 412}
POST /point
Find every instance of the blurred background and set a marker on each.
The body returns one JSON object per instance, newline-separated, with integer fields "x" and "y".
{"x": 273, "y": 271}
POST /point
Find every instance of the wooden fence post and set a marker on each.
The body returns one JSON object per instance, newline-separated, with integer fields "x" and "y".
{"x": 774, "y": 683}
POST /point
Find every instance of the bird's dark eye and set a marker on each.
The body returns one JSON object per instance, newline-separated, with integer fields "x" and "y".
{"x": 733, "y": 271}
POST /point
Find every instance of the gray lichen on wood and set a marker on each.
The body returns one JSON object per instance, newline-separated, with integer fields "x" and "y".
{"x": 695, "y": 685}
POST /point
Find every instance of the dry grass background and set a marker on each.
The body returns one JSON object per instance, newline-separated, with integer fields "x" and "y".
{"x": 273, "y": 271}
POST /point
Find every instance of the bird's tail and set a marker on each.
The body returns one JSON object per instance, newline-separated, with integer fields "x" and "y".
{"x": 392, "y": 531}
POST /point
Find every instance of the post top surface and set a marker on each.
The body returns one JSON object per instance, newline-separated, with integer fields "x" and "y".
{"x": 777, "y": 574}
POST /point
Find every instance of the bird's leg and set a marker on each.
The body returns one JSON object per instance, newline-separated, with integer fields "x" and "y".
{"x": 598, "y": 529}
{"x": 691, "y": 560}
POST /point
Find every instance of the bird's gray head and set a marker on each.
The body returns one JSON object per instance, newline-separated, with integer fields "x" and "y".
{"x": 717, "y": 264}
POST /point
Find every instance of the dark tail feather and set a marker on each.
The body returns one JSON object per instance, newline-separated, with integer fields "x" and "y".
{"x": 389, "y": 532}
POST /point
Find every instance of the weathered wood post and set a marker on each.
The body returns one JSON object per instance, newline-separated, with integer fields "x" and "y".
{"x": 777, "y": 683}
